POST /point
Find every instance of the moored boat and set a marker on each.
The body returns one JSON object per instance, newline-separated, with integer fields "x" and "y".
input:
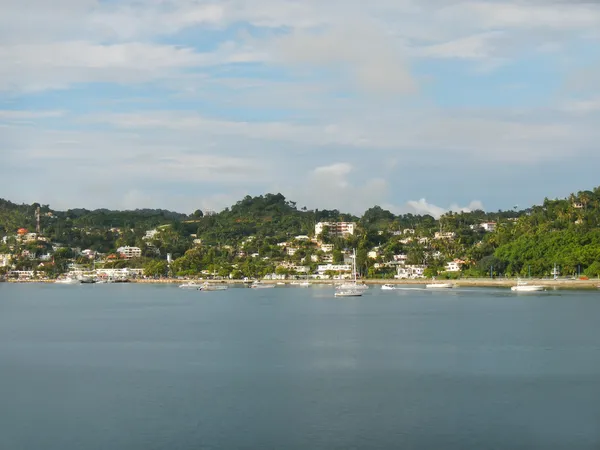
{"x": 259, "y": 285}
{"x": 522, "y": 286}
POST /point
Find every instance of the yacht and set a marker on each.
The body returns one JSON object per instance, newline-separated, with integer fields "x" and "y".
{"x": 351, "y": 289}
{"x": 522, "y": 286}
{"x": 348, "y": 293}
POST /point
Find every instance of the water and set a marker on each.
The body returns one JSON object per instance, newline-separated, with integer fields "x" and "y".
{"x": 155, "y": 367}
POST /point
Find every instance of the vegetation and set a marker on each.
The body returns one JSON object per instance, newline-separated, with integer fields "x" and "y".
{"x": 254, "y": 238}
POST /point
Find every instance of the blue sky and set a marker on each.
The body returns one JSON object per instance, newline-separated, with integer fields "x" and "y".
{"x": 414, "y": 105}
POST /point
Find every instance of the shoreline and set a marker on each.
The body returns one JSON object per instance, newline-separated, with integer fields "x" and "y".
{"x": 470, "y": 282}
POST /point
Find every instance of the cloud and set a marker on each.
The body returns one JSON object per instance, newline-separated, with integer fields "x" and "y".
{"x": 361, "y": 52}
{"x": 423, "y": 207}
{"x": 338, "y": 186}
{"x": 57, "y": 65}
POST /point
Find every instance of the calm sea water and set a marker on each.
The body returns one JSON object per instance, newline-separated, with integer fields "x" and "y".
{"x": 156, "y": 367}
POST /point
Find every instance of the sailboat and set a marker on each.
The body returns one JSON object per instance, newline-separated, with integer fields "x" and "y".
{"x": 350, "y": 289}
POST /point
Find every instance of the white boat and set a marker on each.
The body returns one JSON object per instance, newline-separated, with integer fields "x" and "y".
{"x": 351, "y": 289}
{"x": 388, "y": 287}
{"x": 213, "y": 287}
{"x": 522, "y": 286}
{"x": 301, "y": 283}
{"x": 439, "y": 286}
{"x": 67, "y": 280}
{"x": 259, "y": 285}
{"x": 190, "y": 285}
{"x": 348, "y": 293}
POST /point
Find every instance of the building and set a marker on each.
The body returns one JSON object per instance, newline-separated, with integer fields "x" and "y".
{"x": 373, "y": 254}
{"x": 291, "y": 251}
{"x": 453, "y": 266}
{"x": 401, "y": 258}
{"x": 150, "y": 234}
{"x": 323, "y": 268}
{"x": 326, "y": 248}
{"x": 449, "y": 235}
{"x": 489, "y": 226}
{"x": 302, "y": 238}
{"x": 129, "y": 252}
{"x": 343, "y": 229}
{"x": 412, "y": 272}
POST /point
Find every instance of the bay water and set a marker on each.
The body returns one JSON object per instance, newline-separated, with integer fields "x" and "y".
{"x": 143, "y": 367}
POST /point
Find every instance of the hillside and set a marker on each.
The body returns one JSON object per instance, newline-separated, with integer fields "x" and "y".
{"x": 264, "y": 234}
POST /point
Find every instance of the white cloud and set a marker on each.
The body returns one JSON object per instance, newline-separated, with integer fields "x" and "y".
{"x": 56, "y": 65}
{"x": 423, "y": 207}
{"x": 362, "y": 52}
{"x": 336, "y": 186}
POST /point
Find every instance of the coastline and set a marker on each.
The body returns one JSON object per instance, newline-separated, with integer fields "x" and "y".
{"x": 467, "y": 282}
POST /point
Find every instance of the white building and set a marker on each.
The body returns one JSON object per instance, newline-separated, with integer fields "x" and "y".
{"x": 130, "y": 252}
{"x": 453, "y": 266}
{"x": 150, "y": 234}
{"x": 373, "y": 254}
{"x": 326, "y": 248}
{"x": 409, "y": 231}
{"x": 321, "y": 269}
{"x": 302, "y": 238}
{"x": 401, "y": 258}
{"x": 342, "y": 229}
{"x": 291, "y": 251}
{"x": 412, "y": 272}
{"x": 489, "y": 226}
{"x": 449, "y": 235}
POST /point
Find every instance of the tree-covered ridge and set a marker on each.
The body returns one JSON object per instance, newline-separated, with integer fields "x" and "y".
{"x": 270, "y": 234}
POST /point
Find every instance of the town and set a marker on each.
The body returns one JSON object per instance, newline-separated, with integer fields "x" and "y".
{"x": 269, "y": 237}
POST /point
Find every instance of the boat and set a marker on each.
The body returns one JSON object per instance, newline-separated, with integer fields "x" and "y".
{"x": 351, "y": 289}
{"x": 190, "y": 285}
{"x": 388, "y": 287}
{"x": 213, "y": 287}
{"x": 259, "y": 285}
{"x": 86, "y": 279}
{"x": 523, "y": 286}
{"x": 301, "y": 283}
{"x": 67, "y": 280}
{"x": 348, "y": 293}
{"x": 439, "y": 286}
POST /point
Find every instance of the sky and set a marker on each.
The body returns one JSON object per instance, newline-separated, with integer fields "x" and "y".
{"x": 418, "y": 106}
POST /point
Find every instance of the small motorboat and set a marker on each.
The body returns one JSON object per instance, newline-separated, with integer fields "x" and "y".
{"x": 522, "y": 286}
{"x": 388, "y": 287}
{"x": 213, "y": 287}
